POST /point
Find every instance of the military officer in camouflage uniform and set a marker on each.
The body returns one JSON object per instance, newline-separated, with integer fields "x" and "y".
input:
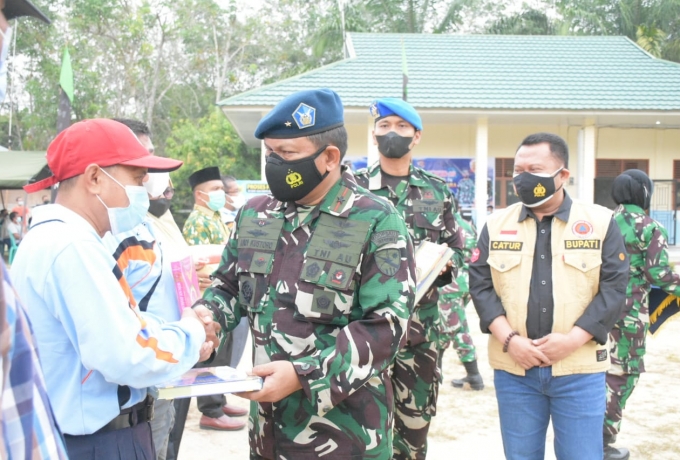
{"x": 645, "y": 241}
{"x": 427, "y": 207}
{"x": 452, "y": 301}
{"x": 204, "y": 225}
{"x": 324, "y": 272}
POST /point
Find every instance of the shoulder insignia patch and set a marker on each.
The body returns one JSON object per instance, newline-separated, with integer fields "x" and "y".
{"x": 385, "y": 237}
{"x": 388, "y": 261}
{"x": 475, "y": 255}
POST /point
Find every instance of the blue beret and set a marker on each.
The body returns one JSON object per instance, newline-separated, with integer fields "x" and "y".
{"x": 302, "y": 114}
{"x": 387, "y": 106}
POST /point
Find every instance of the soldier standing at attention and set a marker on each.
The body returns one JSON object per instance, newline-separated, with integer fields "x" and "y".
{"x": 324, "y": 272}
{"x": 452, "y": 301}
{"x": 646, "y": 245}
{"x": 427, "y": 207}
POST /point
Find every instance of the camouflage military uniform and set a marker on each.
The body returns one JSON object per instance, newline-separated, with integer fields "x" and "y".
{"x": 205, "y": 226}
{"x": 426, "y": 205}
{"x": 454, "y": 297}
{"x": 331, "y": 293}
{"x": 646, "y": 244}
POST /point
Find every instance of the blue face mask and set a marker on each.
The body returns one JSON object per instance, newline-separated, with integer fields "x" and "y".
{"x": 123, "y": 220}
{"x": 216, "y": 199}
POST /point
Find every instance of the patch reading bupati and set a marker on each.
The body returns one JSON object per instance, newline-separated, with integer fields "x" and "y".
{"x": 582, "y": 228}
{"x": 388, "y": 261}
{"x": 506, "y": 246}
{"x": 582, "y": 244}
{"x": 601, "y": 355}
{"x": 385, "y": 237}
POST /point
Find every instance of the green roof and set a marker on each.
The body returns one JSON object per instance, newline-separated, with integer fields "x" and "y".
{"x": 492, "y": 72}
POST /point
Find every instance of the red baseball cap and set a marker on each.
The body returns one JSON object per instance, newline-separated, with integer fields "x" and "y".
{"x": 100, "y": 141}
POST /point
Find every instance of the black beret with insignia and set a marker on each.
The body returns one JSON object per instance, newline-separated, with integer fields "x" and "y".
{"x": 302, "y": 114}
{"x": 204, "y": 175}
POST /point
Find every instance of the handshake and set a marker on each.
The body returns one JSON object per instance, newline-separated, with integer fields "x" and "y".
{"x": 205, "y": 317}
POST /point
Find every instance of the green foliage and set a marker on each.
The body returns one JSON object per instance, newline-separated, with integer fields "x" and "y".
{"x": 652, "y": 24}
{"x": 526, "y": 22}
{"x": 208, "y": 141}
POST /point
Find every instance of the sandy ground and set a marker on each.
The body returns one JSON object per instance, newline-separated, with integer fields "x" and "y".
{"x": 466, "y": 425}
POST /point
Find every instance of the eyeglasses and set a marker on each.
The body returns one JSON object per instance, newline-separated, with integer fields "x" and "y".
{"x": 169, "y": 192}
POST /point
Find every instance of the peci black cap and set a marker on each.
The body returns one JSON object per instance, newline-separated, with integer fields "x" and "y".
{"x": 204, "y": 175}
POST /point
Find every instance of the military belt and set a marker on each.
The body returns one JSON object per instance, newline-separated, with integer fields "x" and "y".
{"x": 132, "y": 416}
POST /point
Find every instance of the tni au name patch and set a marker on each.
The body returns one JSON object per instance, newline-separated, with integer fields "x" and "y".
{"x": 506, "y": 246}
{"x": 581, "y": 244}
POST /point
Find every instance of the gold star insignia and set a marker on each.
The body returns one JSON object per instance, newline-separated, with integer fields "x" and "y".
{"x": 288, "y": 124}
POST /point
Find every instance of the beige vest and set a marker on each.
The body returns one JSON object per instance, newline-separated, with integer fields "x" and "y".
{"x": 576, "y": 259}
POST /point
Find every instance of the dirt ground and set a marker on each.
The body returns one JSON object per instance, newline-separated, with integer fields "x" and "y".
{"x": 466, "y": 425}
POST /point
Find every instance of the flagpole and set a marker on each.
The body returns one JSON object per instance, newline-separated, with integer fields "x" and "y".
{"x": 404, "y": 71}
{"x": 11, "y": 88}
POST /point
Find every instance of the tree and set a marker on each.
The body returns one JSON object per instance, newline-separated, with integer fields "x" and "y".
{"x": 208, "y": 141}
{"x": 526, "y": 22}
{"x": 653, "y": 24}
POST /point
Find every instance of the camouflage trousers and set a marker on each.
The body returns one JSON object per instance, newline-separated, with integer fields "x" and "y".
{"x": 456, "y": 329}
{"x": 416, "y": 375}
{"x": 619, "y": 388}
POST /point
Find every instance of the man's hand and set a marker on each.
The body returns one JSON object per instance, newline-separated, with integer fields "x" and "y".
{"x": 205, "y": 317}
{"x": 558, "y": 346}
{"x": 446, "y": 268}
{"x": 204, "y": 281}
{"x": 199, "y": 263}
{"x": 206, "y": 350}
{"x": 280, "y": 380}
{"x": 524, "y": 353}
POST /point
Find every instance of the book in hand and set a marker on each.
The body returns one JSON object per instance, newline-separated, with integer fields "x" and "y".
{"x": 209, "y": 381}
{"x": 431, "y": 258}
{"x": 186, "y": 283}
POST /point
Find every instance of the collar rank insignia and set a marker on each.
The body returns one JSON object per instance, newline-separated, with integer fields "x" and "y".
{"x": 304, "y": 116}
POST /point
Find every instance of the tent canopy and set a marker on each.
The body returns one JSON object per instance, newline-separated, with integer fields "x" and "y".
{"x": 18, "y": 167}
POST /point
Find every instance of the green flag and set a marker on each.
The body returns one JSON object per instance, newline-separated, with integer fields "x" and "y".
{"x": 66, "y": 77}
{"x": 65, "y": 94}
{"x": 404, "y": 71}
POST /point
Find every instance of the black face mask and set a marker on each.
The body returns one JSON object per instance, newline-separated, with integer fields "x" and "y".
{"x": 392, "y": 145}
{"x": 293, "y": 180}
{"x": 534, "y": 189}
{"x": 159, "y": 207}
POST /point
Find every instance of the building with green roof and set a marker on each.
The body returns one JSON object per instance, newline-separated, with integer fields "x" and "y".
{"x": 479, "y": 95}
